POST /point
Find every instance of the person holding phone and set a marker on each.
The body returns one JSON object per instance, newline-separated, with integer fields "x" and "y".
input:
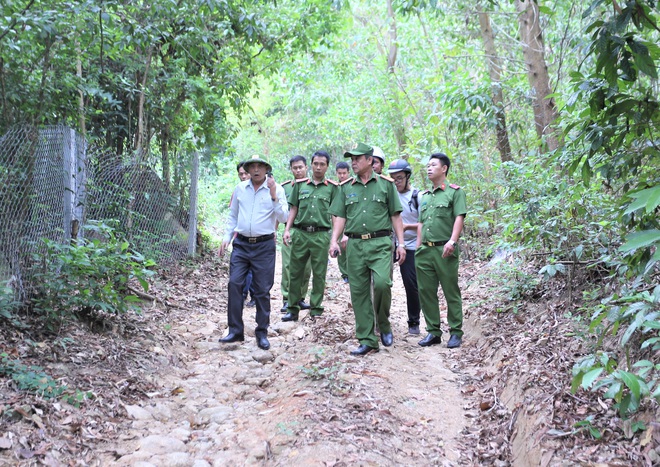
{"x": 256, "y": 207}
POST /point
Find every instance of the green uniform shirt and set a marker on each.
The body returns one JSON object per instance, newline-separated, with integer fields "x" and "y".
{"x": 438, "y": 210}
{"x": 288, "y": 187}
{"x": 367, "y": 207}
{"x": 313, "y": 202}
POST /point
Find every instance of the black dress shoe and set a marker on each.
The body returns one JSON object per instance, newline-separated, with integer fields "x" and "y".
{"x": 454, "y": 341}
{"x": 363, "y": 350}
{"x": 251, "y": 303}
{"x": 290, "y": 317}
{"x": 262, "y": 342}
{"x": 232, "y": 337}
{"x": 303, "y": 305}
{"x": 386, "y": 338}
{"x": 285, "y": 307}
{"x": 430, "y": 339}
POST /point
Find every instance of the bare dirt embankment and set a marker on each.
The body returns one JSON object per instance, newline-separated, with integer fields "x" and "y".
{"x": 165, "y": 393}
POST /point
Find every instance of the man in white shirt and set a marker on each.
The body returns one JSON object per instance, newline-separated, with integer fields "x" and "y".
{"x": 257, "y": 205}
{"x": 400, "y": 171}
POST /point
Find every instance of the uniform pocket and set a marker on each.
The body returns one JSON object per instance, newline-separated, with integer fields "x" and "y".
{"x": 304, "y": 200}
{"x": 443, "y": 210}
{"x": 352, "y": 206}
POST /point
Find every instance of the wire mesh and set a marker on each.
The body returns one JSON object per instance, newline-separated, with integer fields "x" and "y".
{"x": 50, "y": 186}
{"x": 134, "y": 197}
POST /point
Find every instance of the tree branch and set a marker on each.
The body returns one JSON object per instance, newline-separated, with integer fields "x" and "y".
{"x": 14, "y": 21}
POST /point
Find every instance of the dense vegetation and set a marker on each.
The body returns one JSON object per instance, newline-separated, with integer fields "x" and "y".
{"x": 549, "y": 112}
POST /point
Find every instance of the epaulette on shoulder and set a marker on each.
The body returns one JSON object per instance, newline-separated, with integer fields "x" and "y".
{"x": 346, "y": 181}
{"x": 385, "y": 177}
{"x": 301, "y": 180}
{"x": 332, "y": 182}
{"x": 287, "y": 182}
{"x": 454, "y": 186}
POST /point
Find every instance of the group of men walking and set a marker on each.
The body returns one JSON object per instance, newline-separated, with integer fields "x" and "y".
{"x": 355, "y": 220}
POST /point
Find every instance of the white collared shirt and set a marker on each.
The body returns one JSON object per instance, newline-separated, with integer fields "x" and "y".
{"x": 254, "y": 214}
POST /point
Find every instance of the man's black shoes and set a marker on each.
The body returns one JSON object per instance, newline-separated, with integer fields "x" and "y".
{"x": 285, "y": 307}
{"x": 386, "y": 338}
{"x": 290, "y": 317}
{"x": 232, "y": 337}
{"x": 363, "y": 350}
{"x": 303, "y": 305}
{"x": 430, "y": 339}
{"x": 454, "y": 341}
{"x": 262, "y": 342}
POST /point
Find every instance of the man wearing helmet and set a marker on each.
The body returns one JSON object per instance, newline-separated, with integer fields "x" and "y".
{"x": 378, "y": 160}
{"x": 401, "y": 171}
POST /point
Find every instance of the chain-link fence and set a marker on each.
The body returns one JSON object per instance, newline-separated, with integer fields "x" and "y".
{"x": 50, "y": 186}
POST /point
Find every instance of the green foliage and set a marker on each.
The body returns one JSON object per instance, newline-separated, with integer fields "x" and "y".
{"x": 619, "y": 129}
{"x": 587, "y": 424}
{"x": 620, "y": 125}
{"x": 30, "y": 378}
{"x": 91, "y": 275}
{"x": 549, "y": 213}
{"x": 324, "y": 368}
{"x": 8, "y": 302}
{"x": 514, "y": 281}
{"x": 637, "y": 316}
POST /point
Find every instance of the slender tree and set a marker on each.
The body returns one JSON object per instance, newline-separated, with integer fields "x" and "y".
{"x": 531, "y": 35}
{"x": 495, "y": 72}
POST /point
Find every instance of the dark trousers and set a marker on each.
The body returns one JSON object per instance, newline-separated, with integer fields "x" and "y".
{"x": 260, "y": 259}
{"x": 409, "y": 276}
{"x": 248, "y": 286}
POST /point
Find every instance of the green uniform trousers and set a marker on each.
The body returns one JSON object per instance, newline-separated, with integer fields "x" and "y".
{"x": 433, "y": 270}
{"x": 367, "y": 259}
{"x": 341, "y": 262}
{"x": 308, "y": 248}
{"x": 284, "y": 286}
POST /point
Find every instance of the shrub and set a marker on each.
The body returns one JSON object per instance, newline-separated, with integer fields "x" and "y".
{"x": 90, "y": 275}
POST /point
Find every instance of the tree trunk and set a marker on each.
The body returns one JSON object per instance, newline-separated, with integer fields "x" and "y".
{"x": 495, "y": 72}
{"x": 140, "y": 134}
{"x": 81, "y": 95}
{"x": 393, "y": 48}
{"x": 545, "y": 112}
{"x": 164, "y": 154}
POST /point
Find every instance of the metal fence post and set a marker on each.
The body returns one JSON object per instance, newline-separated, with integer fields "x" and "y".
{"x": 68, "y": 157}
{"x": 192, "y": 215}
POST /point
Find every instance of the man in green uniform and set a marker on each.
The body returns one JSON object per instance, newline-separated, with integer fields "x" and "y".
{"x": 442, "y": 212}
{"x": 298, "y": 166}
{"x": 342, "y": 169}
{"x": 307, "y": 234}
{"x": 368, "y": 208}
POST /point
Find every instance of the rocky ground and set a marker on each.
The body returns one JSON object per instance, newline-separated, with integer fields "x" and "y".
{"x": 158, "y": 389}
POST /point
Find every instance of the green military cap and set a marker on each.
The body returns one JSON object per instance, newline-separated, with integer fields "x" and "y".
{"x": 258, "y": 159}
{"x": 361, "y": 149}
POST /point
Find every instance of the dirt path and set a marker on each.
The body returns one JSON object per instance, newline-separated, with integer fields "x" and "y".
{"x": 158, "y": 390}
{"x": 306, "y": 401}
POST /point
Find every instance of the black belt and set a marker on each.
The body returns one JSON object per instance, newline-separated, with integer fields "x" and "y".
{"x": 435, "y": 243}
{"x": 367, "y": 236}
{"x": 311, "y": 228}
{"x": 262, "y": 238}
